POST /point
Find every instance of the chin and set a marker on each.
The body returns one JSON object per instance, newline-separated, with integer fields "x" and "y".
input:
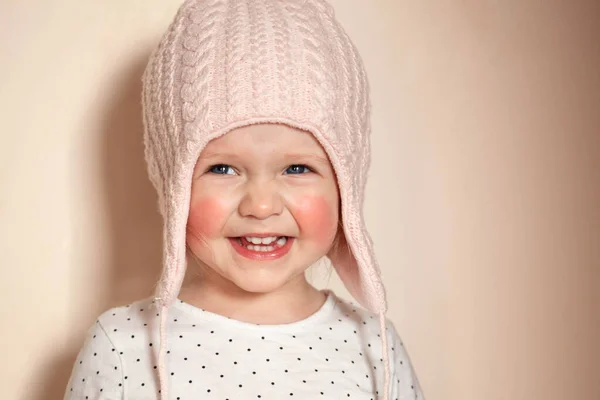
{"x": 261, "y": 282}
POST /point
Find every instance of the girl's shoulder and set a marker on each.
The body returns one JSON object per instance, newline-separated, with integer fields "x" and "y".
{"x": 367, "y": 326}
{"x": 138, "y": 313}
{"x": 100, "y": 363}
{"x": 365, "y": 322}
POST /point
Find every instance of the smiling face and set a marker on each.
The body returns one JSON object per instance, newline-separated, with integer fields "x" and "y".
{"x": 255, "y": 181}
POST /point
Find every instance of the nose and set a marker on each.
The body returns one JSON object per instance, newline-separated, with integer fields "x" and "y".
{"x": 261, "y": 201}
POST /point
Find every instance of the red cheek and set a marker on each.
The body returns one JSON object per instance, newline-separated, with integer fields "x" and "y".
{"x": 206, "y": 217}
{"x": 316, "y": 217}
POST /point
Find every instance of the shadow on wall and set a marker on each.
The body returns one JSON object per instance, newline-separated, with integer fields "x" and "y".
{"x": 133, "y": 221}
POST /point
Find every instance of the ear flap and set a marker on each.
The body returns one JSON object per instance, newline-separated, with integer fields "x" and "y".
{"x": 345, "y": 264}
{"x": 353, "y": 256}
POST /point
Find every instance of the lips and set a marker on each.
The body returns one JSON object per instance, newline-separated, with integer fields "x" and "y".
{"x": 261, "y": 235}
{"x": 262, "y": 252}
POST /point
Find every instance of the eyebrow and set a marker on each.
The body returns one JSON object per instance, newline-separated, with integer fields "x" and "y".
{"x": 313, "y": 157}
{"x": 297, "y": 157}
{"x": 217, "y": 154}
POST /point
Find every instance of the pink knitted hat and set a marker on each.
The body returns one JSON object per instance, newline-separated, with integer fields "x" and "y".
{"x": 224, "y": 64}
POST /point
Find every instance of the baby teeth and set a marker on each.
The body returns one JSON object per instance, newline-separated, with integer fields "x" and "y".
{"x": 260, "y": 248}
{"x": 266, "y": 240}
{"x": 263, "y": 248}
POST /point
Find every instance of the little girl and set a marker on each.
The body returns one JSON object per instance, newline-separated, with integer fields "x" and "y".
{"x": 257, "y": 124}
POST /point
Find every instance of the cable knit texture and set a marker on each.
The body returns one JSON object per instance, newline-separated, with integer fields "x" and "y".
{"x": 223, "y": 64}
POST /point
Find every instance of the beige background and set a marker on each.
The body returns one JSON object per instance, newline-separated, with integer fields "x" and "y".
{"x": 484, "y": 198}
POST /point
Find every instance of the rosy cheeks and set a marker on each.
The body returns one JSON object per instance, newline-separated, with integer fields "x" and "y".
{"x": 316, "y": 217}
{"x": 207, "y": 217}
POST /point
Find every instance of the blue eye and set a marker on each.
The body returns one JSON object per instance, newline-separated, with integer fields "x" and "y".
{"x": 297, "y": 169}
{"x": 221, "y": 169}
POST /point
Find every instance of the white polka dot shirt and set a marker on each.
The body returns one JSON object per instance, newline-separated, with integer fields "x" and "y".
{"x": 333, "y": 354}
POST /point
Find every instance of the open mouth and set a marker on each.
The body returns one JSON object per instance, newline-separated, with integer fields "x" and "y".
{"x": 269, "y": 247}
{"x": 262, "y": 244}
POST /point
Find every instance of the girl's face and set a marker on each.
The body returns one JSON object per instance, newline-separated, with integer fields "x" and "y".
{"x": 262, "y": 180}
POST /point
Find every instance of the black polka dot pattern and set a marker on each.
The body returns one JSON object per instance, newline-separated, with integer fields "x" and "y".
{"x": 333, "y": 354}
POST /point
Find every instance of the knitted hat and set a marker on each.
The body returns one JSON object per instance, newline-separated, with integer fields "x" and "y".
{"x": 223, "y": 64}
